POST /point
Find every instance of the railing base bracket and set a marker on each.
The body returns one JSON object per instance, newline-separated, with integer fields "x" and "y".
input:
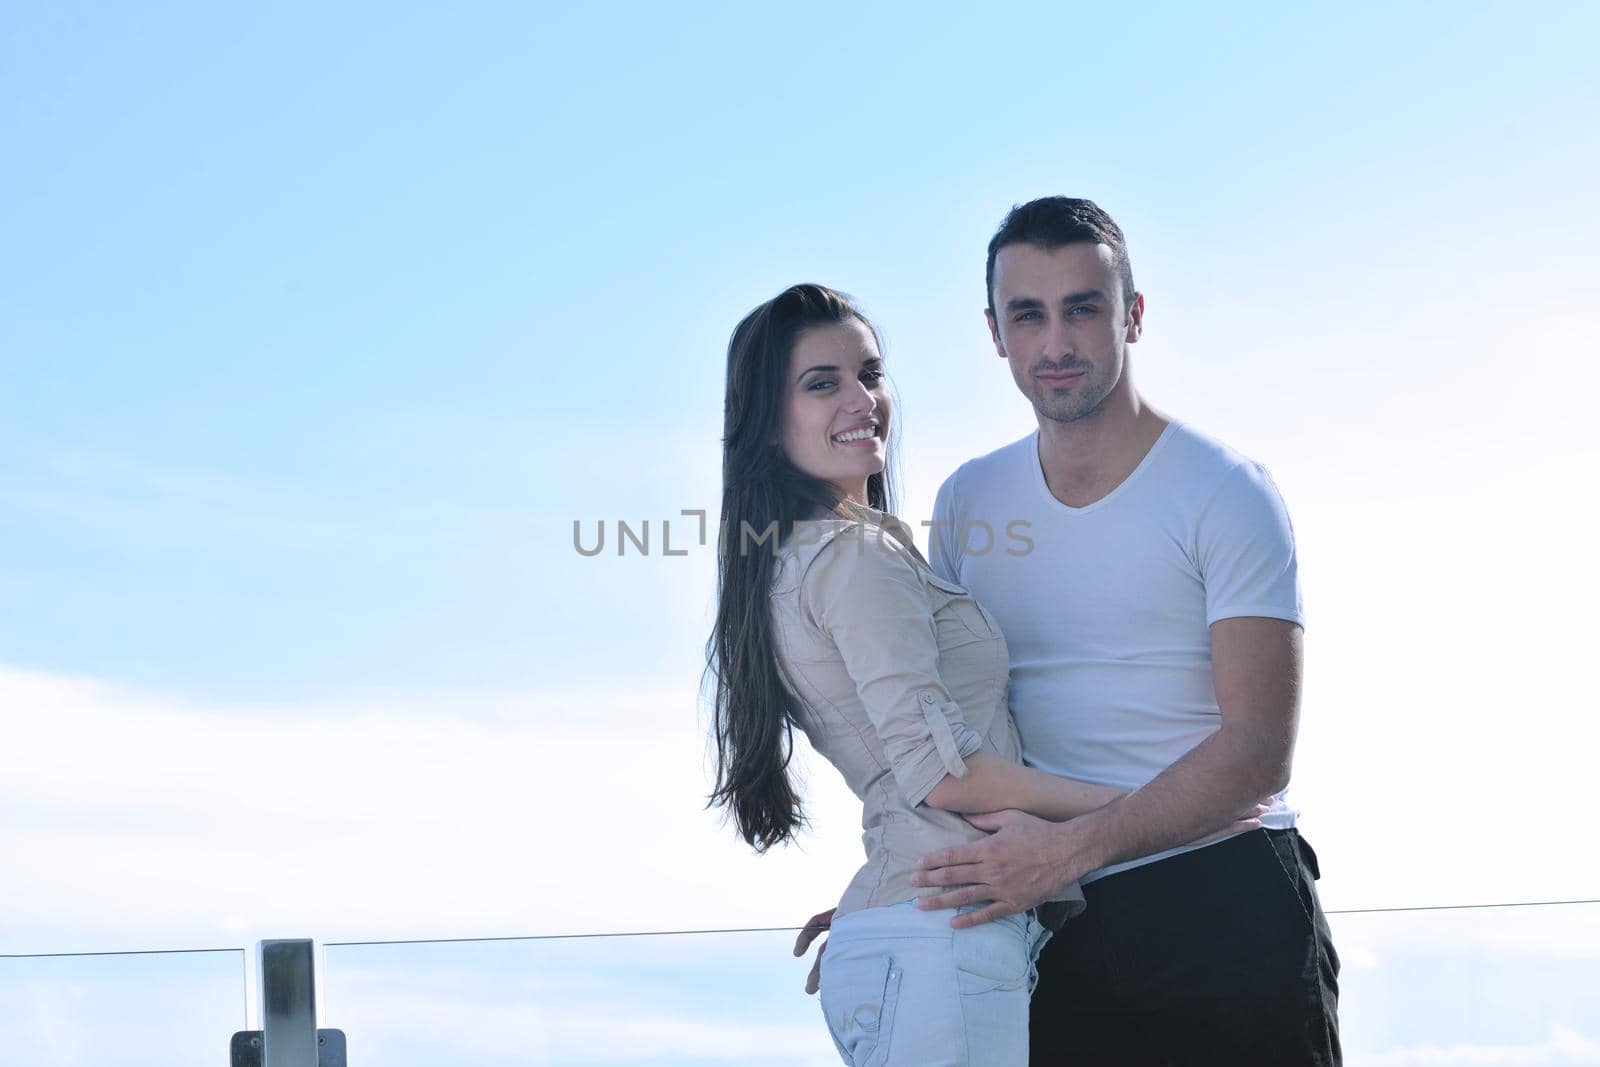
{"x": 245, "y": 1050}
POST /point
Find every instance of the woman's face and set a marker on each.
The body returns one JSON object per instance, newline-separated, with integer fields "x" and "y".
{"x": 834, "y": 423}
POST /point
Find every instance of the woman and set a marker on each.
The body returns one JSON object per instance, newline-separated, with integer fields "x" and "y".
{"x": 828, "y": 618}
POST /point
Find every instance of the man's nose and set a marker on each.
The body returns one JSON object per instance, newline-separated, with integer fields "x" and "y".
{"x": 1057, "y": 342}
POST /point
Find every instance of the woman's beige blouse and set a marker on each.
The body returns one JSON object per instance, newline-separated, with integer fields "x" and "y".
{"x": 900, "y": 673}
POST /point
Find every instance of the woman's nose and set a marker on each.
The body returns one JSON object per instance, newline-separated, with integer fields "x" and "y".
{"x": 860, "y": 398}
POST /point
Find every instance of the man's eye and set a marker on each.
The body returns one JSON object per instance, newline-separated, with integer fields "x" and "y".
{"x": 1082, "y": 309}
{"x": 1026, "y": 315}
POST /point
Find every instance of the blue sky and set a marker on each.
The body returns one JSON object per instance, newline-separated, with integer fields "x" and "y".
{"x": 319, "y": 329}
{"x": 307, "y": 310}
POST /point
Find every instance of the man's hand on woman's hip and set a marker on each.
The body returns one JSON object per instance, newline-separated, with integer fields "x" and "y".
{"x": 1023, "y": 862}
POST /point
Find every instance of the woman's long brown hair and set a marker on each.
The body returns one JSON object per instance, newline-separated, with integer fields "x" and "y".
{"x": 763, "y": 495}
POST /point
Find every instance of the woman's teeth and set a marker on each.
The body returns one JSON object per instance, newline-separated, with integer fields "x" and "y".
{"x": 857, "y": 435}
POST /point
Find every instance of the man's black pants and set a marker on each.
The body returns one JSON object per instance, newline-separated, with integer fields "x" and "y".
{"x": 1216, "y": 956}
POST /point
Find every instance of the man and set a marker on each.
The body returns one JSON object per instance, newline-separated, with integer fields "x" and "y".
{"x": 1144, "y": 578}
{"x": 1155, "y": 640}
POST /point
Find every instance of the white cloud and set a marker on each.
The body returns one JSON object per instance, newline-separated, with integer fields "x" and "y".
{"x": 1563, "y": 1046}
{"x": 484, "y": 814}
{"x": 1568, "y": 932}
{"x": 526, "y": 1034}
{"x": 82, "y": 1011}
{"x": 696, "y": 999}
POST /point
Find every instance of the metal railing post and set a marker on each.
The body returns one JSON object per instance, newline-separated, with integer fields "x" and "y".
{"x": 286, "y": 974}
{"x": 288, "y": 1003}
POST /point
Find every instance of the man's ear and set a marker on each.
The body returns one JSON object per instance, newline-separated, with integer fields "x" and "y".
{"x": 994, "y": 332}
{"x": 1135, "y": 319}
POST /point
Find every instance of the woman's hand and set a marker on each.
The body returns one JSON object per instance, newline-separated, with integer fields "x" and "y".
{"x": 1249, "y": 820}
{"x": 815, "y": 925}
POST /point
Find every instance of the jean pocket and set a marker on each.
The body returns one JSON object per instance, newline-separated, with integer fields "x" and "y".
{"x": 858, "y": 1002}
{"x": 995, "y": 956}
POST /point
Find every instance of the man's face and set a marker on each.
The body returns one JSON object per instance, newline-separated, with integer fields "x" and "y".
{"x": 1061, "y": 320}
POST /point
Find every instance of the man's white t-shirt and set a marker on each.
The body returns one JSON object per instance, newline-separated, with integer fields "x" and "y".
{"x": 1106, "y": 609}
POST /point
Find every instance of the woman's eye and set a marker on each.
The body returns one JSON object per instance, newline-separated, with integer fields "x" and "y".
{"x": 871, "y": 375}
{"x": 816, "y": 385}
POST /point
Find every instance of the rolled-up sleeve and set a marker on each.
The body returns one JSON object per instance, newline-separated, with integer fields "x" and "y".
{"x": 870, "y": 600}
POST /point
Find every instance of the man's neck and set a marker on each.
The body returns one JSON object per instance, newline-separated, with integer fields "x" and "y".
{"x": 1084, "y": 460}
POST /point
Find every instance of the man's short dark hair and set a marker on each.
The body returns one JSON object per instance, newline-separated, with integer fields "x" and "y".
{"x": 1052, "y": 221}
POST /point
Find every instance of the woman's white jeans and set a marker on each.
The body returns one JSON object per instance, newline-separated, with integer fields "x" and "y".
{"x": 902, "y": 989}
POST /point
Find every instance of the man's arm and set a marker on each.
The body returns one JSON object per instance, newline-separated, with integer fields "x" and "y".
{"x": 1256, "y": 670}
{"x": 943, "y": 546}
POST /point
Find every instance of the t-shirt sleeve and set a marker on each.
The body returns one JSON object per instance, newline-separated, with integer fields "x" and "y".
{"x": 942, "y": 540}
{"x": 1245, "y": 548}
{"x": 870, "y": 600}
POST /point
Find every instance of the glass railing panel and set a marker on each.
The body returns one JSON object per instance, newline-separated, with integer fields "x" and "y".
{"x": 685, "y": 1000}
{"x": 1499, "y": 985}
{"x": 141, "y": 1009}
{"x": 1460, "y": 986}
{"x": 1438, "y": 986}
